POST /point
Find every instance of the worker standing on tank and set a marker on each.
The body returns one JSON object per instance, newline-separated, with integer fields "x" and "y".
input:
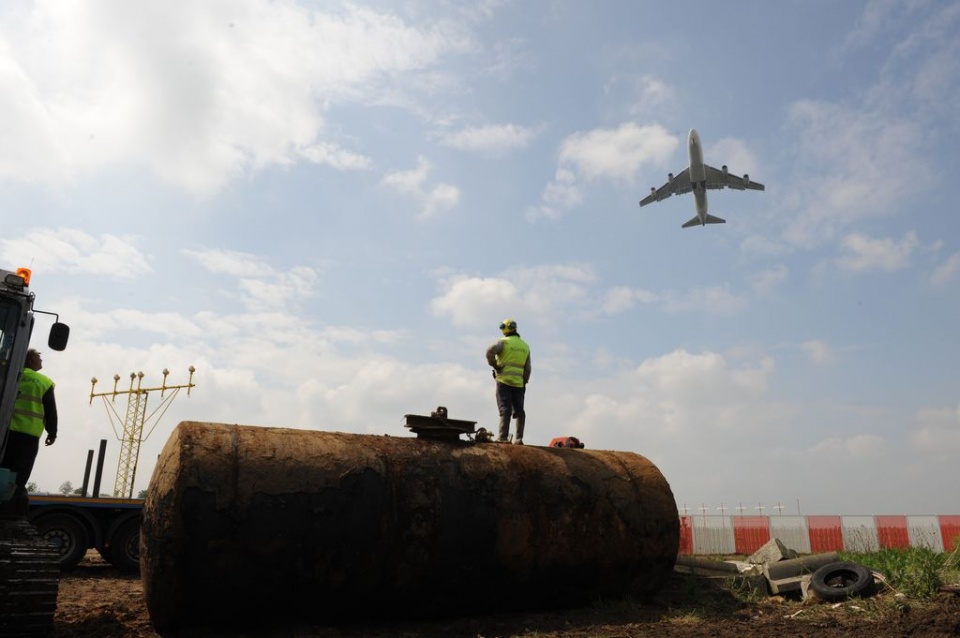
{"x": 34, "y": 412}
{"x": 510, "y": 358}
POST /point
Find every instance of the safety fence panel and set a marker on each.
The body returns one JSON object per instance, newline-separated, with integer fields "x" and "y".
{"x": 826, "y": 534}
{"x": 686, "y": 536}
{"x": 924, "y": 531}
{"x": 859, "y": 533}
{"x": 950, "y": 532}
{"x": 792, "y": 532}
{"x": 728, "y": 535}
{"x": 892, "y": 532}
{"x": 712, "y": 535}
{"x": 750, "y": 533}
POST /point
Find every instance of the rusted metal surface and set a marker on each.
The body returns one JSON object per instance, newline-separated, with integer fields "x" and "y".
{"x": 243, "y": 523}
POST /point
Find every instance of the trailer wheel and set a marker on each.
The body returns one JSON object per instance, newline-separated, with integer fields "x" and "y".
{"x": 67, "y": 535}
{"x": 125, "y": 547}
{"x": 839, "y": 581}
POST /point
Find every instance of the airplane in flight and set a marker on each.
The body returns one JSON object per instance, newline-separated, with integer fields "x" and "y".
{"x": 699, "y": 177}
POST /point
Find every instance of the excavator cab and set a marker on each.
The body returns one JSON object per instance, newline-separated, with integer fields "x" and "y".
{"x": 29, "y": 565}
{"x": 16, "y": 326}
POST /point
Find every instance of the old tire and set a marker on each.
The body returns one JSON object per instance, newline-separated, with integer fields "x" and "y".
{"x": 67, "y": 535}
{"x": 124, "y": 553}
{"x": 839, "y": 581}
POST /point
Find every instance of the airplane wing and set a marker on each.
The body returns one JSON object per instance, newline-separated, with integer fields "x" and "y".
{"x": 723, "y": 179}
{"x": 679, "y": 185}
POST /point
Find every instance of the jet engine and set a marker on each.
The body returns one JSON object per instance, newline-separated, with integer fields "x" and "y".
{"x": 724, "y": 169}
{"x": 669, "y": 178}
{"x": 746, "y": 178}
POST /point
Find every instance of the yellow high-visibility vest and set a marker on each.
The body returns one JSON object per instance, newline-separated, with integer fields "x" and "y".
{"x": 511, "y": 361}
{"x": 28, "y": 410}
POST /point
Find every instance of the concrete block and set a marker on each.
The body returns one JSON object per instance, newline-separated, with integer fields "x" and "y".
{"x": 784, "y": 585}
{"x": 772, "y": 551}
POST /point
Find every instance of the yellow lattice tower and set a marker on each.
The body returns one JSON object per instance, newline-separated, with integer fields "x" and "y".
{"x": 135, "y": 421}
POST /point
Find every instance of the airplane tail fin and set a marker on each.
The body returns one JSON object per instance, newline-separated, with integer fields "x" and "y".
{"x": 710, "y": 219}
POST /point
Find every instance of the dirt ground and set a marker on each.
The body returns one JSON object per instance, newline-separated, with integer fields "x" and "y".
{"x": 96, "y": 600}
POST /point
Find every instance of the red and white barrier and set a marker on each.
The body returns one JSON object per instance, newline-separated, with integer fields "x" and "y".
{"x": 727, "y": 535}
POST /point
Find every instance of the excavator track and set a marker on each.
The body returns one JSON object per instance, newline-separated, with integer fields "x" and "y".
{"x": 29, "y": 581}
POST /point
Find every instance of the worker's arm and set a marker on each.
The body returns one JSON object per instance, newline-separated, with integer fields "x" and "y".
{"x": 492, "y": 353}
{"x": 50, "y": 416}
{"x": 526, "y": 371}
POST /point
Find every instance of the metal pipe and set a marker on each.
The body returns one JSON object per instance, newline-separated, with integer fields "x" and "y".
{"x": 99, "y": 474}
{"x": 86, "y": 473}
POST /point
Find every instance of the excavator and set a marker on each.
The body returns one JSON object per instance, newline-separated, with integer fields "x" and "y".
{"x": 29, "y": 565}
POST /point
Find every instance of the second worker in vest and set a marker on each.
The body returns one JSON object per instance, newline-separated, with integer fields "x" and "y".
{"x": 510, "y": 358}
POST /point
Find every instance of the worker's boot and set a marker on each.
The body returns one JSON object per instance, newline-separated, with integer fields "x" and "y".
{"x": 23, "y": 504}
{"x": 504, "y": 429}
{"x": 519, "y": 438}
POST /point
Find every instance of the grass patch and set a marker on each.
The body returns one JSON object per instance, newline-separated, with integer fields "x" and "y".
{"x": 917, "y": 572}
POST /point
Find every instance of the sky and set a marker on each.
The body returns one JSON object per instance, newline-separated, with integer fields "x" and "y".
{"x": 328, "y": 208}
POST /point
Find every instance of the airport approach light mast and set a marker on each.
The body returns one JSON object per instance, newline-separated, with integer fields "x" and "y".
{"x": 135, "y": 421}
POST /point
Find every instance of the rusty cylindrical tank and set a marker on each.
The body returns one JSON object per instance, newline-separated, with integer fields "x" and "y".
{"x": 244, "y": 523}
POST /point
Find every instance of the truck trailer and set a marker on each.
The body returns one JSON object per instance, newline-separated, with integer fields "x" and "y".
{"x": 76, "y": 523}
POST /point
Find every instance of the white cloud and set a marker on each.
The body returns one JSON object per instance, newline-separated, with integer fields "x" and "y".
{"x": 857, "y": 446}
{"x": 492, "y": 139}
{"x": 336, "y": 157}
{"x": 818, "y": 351}
{"x": 674, "y": 396}
{"x": 564, "y": 290}
{"x": 763, "y": 246}
{"x": 432, "y": 200}
{"x": 531, "y": 292}
{"x": 470, "y": 301}
{"x": 260, "y": 285}
{"x": 947, "y": 271}
{"x": 622, "y": 298}
{"x": 560, "y": 195}
{"x": 169, "y": 325}
{"x": 614, "y": 154}
{"x": 765, "y": 281}
{"x": 836, "y": 187}
{"x": 735, "y": 154}
{"x": 877, "y": 15}
{"x": 73, "y": 251}
{"x": 92, "y": 85}
{"x": 714, "y": 300}
{"x": 230, "y": 262}
{"x": 654, "y": 94}
{"x": 563, "y": 192}
{"x": 937, "y": 432}
{"x": 868, "y": 155}
{"x": 864, "y": 254}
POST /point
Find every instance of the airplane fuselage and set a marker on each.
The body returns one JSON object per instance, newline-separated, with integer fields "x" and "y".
{"x": 698, "y": 174}
{"x": 698, "y": 177}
